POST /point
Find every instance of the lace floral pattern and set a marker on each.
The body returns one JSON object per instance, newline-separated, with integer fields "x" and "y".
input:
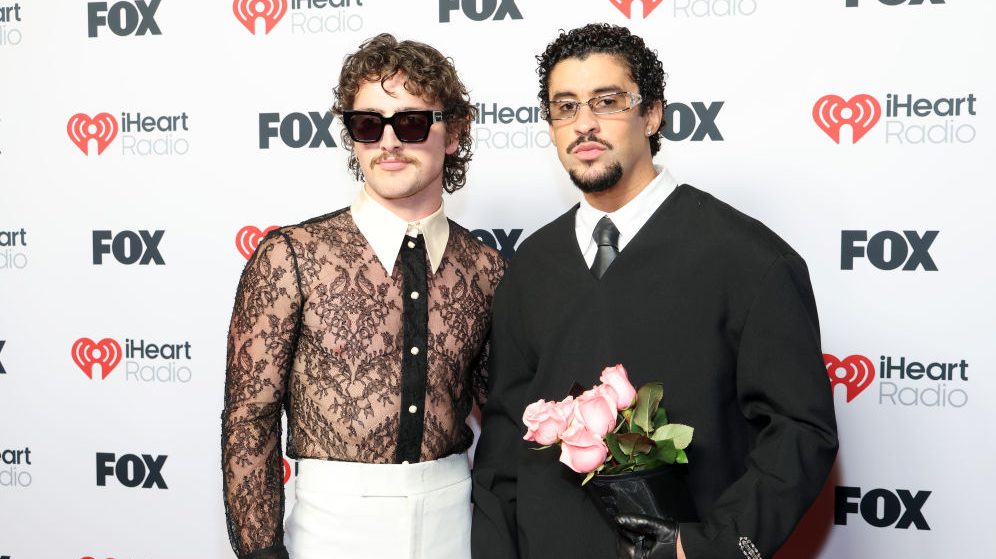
{"x": 317, "y": 330}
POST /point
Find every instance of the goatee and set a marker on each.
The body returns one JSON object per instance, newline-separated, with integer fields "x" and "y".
{"x": 599, "y": 182}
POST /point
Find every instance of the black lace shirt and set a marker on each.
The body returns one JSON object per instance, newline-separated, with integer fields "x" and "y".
{"x": 369, "y": 367}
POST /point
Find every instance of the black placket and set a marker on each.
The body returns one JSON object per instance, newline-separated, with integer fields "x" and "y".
{"x": 415, "y": 331}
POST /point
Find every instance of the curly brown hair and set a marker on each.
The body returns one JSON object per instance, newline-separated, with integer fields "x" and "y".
{"x": 429, "y": 75}
{"x": 603, "y": 38}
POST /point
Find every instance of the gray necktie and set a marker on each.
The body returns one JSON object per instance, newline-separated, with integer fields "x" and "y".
{"x": 607, "y": 237}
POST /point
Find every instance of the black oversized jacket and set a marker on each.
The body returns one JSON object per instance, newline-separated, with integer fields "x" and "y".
{"x": 704, "y": 299}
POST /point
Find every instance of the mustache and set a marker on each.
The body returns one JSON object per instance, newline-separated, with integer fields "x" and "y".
{"x": 590, "y": 137}
{"x": 393, "y": 157}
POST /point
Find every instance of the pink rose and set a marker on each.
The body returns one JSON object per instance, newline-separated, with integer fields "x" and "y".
{"x": 581, "y": 450}
{"x": 545, "y": 421}
{"x": 565, "y": 409}
{"x": 618, "y": 380}
{"x": 596, "y": 410}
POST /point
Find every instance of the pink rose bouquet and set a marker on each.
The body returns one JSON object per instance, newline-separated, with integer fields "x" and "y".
{"x": 610, "y": 429}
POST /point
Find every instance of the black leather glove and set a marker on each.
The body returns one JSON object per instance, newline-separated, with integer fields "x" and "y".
{"x": 646, "y": 537}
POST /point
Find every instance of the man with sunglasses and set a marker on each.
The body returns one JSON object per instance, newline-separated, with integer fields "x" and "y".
{"x": 367, "y": 325}
{"x": 681, "y": 289}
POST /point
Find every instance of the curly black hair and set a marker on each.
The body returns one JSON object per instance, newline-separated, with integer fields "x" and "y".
{"x": 603, "y": 38}
{"x": 428, "y": 74}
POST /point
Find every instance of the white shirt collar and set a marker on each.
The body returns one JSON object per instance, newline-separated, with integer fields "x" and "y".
{"x": 386, "y": 231}
{"x": 629, "y": 219}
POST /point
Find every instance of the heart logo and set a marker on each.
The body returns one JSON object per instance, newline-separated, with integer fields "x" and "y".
{"x": 626, "y": 7}
{"x": 855, "y": 372}
{"x": 81, "y": 129}
{"x": 861, "y": 112}
{"x": 246, "y": 11}
{"x": 287, "y": 471}
{"x": 87, "y": 353}
{"x": 248, "y": 238}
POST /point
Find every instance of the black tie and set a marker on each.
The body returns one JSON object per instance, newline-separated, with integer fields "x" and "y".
{"x": 607, "y": 237}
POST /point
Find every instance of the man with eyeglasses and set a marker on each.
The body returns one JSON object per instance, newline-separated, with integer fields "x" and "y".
{"x": 681, "y": 289}
{"x": 369, "y": 327}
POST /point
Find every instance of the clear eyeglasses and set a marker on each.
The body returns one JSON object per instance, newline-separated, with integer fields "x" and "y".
{"x": 564, "y": 109}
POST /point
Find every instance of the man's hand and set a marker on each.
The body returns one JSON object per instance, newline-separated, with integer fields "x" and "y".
{"x": 647, "y": 537}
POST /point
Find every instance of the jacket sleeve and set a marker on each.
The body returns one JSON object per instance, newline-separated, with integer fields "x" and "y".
{"x": 784, "y": 393}
{"x": 260, "y": 346}
{"x": 493, "y": 531}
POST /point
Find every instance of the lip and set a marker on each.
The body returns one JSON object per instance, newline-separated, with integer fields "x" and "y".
{"x": 392, "y": 164}
{"x": 588, "y": 151}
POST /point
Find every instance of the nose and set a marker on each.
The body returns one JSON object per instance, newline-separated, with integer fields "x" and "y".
{"x": 585, "y": 122}
{"x": 388, "y": 140}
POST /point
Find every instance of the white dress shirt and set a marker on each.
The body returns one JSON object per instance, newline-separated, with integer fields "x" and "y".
{"x": 386, "y": 231}
{"x": 628, "y": 219}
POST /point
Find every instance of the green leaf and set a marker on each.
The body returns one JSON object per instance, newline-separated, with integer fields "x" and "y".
{"x": 628, "y": 468}
{"x": 626, "y": 442}
{"x": 619, "y": 424}
{"x": 615, "y": 469}
{"x": 680, "y": 434}
{"x": 660, "y": 418}
{"x": 665, "y": 451}
{"x": 588, "y": 477}
{"x": 635, "y": 443}
{"x": 666, "y": 455}
{"x": 666, "y": 443}
{"x": 647, "y": 401}
{"x": 681, "y": 458}
{"x": 612, "y": 441}
{"x": 648, "y": 462}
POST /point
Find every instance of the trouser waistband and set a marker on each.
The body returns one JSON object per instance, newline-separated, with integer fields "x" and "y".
{"x": 354, "y": 478}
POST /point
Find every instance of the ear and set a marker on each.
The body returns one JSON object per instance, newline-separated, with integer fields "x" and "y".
{"x": 453, "y": 140}
{"x": 655, "y": 117}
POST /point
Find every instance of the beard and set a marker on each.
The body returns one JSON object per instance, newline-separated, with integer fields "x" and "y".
{"x": 599, "y": 182}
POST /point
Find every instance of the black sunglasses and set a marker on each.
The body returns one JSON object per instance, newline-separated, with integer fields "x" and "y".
{"x": 367, "y": 127}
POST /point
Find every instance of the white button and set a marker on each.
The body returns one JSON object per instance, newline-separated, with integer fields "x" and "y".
{"x": 405, "y": 462}
{"x": 414, "y": 351}
{"x": 412, "y": 408}
{"x": 414, "y": 294}
{"x": 410, "y": 245}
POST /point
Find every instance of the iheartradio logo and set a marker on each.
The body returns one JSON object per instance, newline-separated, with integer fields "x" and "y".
{"x": 246, "y": 11}
{"x": 248, "y": 238}
{"x": 87, "y": 353}
{"x": 855, "y": 372}
{"x": 287, "y": 471}
{"x": 81, "y": 129}
{"x": 861, "y": 112}
{"x": 626, "y": 6}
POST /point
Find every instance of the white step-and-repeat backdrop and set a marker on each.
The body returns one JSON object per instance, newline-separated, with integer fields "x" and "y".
{"x": 145, "y": 145}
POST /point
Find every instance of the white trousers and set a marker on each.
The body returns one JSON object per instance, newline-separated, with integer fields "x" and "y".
{"x": 403, "y": 511}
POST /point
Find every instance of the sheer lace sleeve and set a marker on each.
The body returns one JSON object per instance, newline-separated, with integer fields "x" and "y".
{"x": 479, "y": 374}
{"x": 492, "y": 266}
{"x": 261, "y": 340}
